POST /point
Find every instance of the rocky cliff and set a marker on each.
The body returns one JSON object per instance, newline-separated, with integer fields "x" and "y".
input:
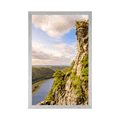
{"x": 70, "y": 86}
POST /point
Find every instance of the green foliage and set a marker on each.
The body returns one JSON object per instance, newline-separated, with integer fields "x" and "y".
{"x": 85, "y": 60}
{"x": 58, "y": 85}
{"x": 73, "y": 75}
{"x": 59, "y": 81}
{"x": 49, "y": 96}
{"x": 72, "y": 64}
{"x": 67, "y": 69}
{"x": 84, "y": 70}
{"x": 80, "y": 85}
{"x": 85, "y": 78}
{"x": 84, "y": 81}
{"x": 41, "y": 73}
{"x": 76, "y": 82}
{"x": 58, "y": 74}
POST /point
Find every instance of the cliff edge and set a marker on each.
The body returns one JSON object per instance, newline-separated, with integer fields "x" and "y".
{"x": 70, "y": 85}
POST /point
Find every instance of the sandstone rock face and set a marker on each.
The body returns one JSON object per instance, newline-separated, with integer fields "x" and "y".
{"x": 75, "y": 91}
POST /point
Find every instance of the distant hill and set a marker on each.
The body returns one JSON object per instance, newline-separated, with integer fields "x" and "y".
{"x": 41, "y": 73}
{"x": 53, "y": 67}
{"x": 57, "y": 67}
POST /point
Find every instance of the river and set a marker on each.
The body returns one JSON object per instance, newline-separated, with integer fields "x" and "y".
{"x": 42, "y": 91}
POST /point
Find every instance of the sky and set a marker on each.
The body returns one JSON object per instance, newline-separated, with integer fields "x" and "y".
{"x": 54, "y": 39}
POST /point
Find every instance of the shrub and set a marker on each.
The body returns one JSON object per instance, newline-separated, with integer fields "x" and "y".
{"x": 76, "y": 82}
{"x": 85, "y": 60}
{"x": 67, "y": 70}
{"x": 58, "y": 84}
{"x": 49, "y": 96}
{"x": 59, "y": 81}
{"x": 85, "y": 71}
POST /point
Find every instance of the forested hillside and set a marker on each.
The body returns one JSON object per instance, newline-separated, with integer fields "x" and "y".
{"x": 41, "y": 73}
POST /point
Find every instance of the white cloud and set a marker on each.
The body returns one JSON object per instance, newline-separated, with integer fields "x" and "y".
{"x": 65, "y": 49}
{"x": 56, "y": 25}
{"x": 55, "y": 54}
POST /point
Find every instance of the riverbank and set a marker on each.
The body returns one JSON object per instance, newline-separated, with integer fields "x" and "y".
{"x": 40, "y": 90}
{"x": 36, "y": 86}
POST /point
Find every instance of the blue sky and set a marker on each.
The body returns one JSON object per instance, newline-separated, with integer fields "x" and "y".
{"x": 53, "y": 39}
{"x": 67, "y": 38}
